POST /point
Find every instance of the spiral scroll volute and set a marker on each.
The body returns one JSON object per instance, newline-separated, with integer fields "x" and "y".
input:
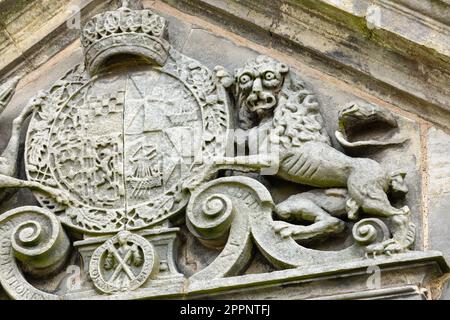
{"x": 37, "y": 239}
{"x": 209, "y": 217}
{"x": 370, "y": 231}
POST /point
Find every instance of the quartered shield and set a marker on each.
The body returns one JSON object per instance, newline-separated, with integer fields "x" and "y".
{"x": 125, "y": 142}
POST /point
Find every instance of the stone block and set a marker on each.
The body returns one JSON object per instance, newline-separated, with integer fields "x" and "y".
{"x": 439, "y": 190}
{"x": 107, "y": 157}
{"x": 220, "y": 51}
{"x": 446, "y": 291}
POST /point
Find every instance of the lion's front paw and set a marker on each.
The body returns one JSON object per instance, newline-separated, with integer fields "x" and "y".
{"x": 62, "y": 197}
{"x": 395, "y": 247}
{"x": 406, "y": 210}
{"x": 288, "y": 230}
{"x": 387, "y": 247}
{"x": 284, "y": 229}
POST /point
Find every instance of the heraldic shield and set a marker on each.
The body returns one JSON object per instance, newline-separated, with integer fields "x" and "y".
{"x": 126, "y": 141}
{"x": 141, "y": 146}
{"x": 123, "y": 138}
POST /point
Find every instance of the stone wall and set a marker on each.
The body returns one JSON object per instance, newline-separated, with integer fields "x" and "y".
{"x": 392, "y": 54}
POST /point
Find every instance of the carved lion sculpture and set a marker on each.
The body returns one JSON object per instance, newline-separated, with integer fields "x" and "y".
{"x": 271, "y": 99}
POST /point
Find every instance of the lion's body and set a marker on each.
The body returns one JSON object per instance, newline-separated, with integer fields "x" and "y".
{"x": 307, "y": 157}
{"x": 294, "y": 145}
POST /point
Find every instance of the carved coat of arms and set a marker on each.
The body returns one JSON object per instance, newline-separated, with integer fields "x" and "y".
{"x": 139, "y": 135}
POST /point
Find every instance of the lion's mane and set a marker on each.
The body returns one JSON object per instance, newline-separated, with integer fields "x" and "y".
{"x": 297, "y": 117}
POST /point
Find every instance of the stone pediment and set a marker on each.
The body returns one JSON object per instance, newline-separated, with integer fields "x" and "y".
{"x": 172, "y": 160}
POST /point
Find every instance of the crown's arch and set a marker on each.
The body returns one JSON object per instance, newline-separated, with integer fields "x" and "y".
{"x": 133, "y": 32}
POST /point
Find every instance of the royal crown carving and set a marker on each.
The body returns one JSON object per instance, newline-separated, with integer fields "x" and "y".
{"x": 128, "y": 154}
{"x": 124, "y": 31}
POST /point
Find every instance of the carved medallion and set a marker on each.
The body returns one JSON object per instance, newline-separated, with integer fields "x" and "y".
{"x": 124, "y": 143}
{"x": 123, "y": 263}
{"x": 127, "y": 140}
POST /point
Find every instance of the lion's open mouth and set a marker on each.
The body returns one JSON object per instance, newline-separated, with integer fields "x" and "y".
{"x": 262, "y": 101}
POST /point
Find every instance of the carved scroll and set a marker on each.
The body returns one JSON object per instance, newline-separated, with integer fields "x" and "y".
{"x": 223, "y": 206}
{"x": 245, "y": 207}
{"x": 34, "y": 237}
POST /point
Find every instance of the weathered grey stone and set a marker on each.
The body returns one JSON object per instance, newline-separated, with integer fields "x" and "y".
{"x": 330, "y": 99}
{"x": 446, "y": 292}
{"x": 373, "y": 42}
{"x": 7, "y": 92}
{"x": 318, "y": 284}
{"x": 105, "y": 141}
{"x": 220, "y": 50}
{"x": 288, "y": 130}
{"x": 31, "y": 41}
{"x": 400, "y": 279}
{"x": 179, "y": 32}
{"x": 438, "y": 190}
{"x": 356, "y": 119}
{"x": 35, "y": 237}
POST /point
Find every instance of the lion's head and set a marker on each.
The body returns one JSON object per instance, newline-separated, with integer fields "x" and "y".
{"x": 259, "y": 84}
{"x": 265, "y": 89}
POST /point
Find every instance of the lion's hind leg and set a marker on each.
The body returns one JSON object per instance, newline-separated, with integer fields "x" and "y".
{"x": 367, "y": 186}
{"x": 370, "y": 195}
{"x": 300, "y": 208}
{"x": 404, "y": 234}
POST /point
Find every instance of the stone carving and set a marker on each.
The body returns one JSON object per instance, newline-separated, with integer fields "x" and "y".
{"x": 124, "y": 31}
{"x": 220, "y": 208}
{"x": 34, "y": 237}
{"x": 271, "y": 100}
{"x": 126, "y": 145}
{"x": 244, "y": 207}
{"x": 130, "y": 145}
{"x": 8, "y": 159}
{"x": 131, "y": 173}
{"x": 7, "y": 92}
{"x": 356, "y": 119}
{"x": 122, "y": 263}
{"x": 10, "y": 154}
